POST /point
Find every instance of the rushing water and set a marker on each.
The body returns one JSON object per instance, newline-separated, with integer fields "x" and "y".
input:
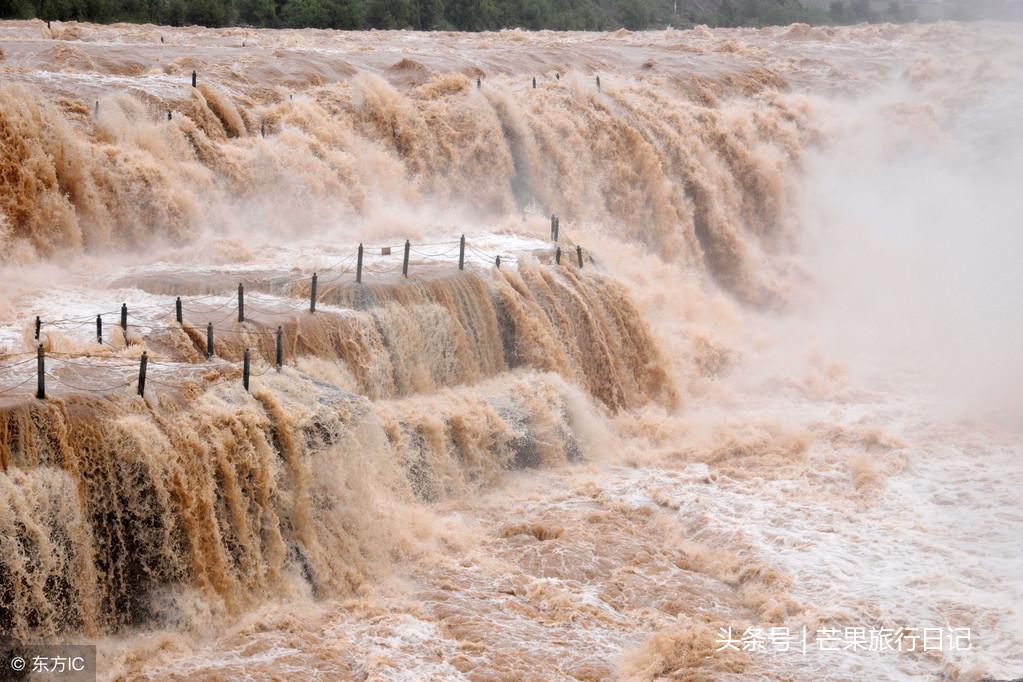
{"x": 781, "y": 395}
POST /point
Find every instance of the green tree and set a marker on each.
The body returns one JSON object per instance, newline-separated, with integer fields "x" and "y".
{"x": 257, "y": 12}
{"x": 391, "y": 14}
{"x": 324, "y": 13}
{"x": 429, "y": 14}
{"x": 206, "y": 12}
{"x": 313, "y": 13}
{"x": 472, "y": 15}
{"x": 475, "y": 15}
{"x": 636, "y": 14}
{"x": 175, "y": 12}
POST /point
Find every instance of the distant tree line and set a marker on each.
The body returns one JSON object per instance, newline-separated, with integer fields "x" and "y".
{"x": 475, "y": 15}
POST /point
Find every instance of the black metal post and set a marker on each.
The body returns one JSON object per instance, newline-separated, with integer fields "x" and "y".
{"x": 39, "y": 327}
{"x": 241, "y": 302}
{"x": 461, "y": 253}
{"x": 557, "y": 256}
{"x": 497, "y": 262}
{"x": 142, "y": 373}
{"x": 99, "y": 329}
{"x": 358, "y": 267}
{"x": 312, "y": 295}
{"x": 193, "y": 79}
{"x": 177, "y": 310}
{"x": 280, "y": 347}
{"x": 598, "y": 83}
{"x": 579, "y": 253}
{"x": 169, "y": 116}
{"x": 245, "y": 370}
{"x": 124, "y": 316}
{"x": 209, "y": 340}
{"x": 41, "y": 373}
{"x": 534, "y": 82}
{"x": 404, "y": 265}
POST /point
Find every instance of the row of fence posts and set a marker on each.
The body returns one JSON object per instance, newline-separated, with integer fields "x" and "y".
{"x": 404, "y": 268}
{"x": 262, "y": 125}
{"x": 555, "y": 230}
{"x": 479, "y": 81}
{"x": 144, "y": 361}
{"x": 99, "y": 322}
{"x": 578, "y": 253}
{"x": 279, "y": 350}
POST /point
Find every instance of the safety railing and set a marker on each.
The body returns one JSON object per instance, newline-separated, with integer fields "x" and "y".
{"x": 352, "y": 264}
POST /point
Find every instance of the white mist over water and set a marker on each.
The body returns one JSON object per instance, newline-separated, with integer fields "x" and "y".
{"x": 818, "y": 225}
{"x": 912, "y": 318}
{"x": 912, "y": 211}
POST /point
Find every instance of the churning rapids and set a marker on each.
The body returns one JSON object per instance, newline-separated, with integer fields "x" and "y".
{"x": 782, "y": 391}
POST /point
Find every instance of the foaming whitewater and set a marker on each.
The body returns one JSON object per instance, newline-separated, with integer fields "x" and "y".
{"x": 699, "y": 176}
{"x": 776, "y": 386}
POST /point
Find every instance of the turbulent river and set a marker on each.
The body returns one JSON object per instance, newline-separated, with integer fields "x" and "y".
{"x": 755, "y": 415}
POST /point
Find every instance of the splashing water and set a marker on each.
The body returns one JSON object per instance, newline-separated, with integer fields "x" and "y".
{"x": 782, "y": 391}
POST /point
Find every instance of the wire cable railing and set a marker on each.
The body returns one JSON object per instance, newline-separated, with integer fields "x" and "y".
{"x": 355, "y": 262}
